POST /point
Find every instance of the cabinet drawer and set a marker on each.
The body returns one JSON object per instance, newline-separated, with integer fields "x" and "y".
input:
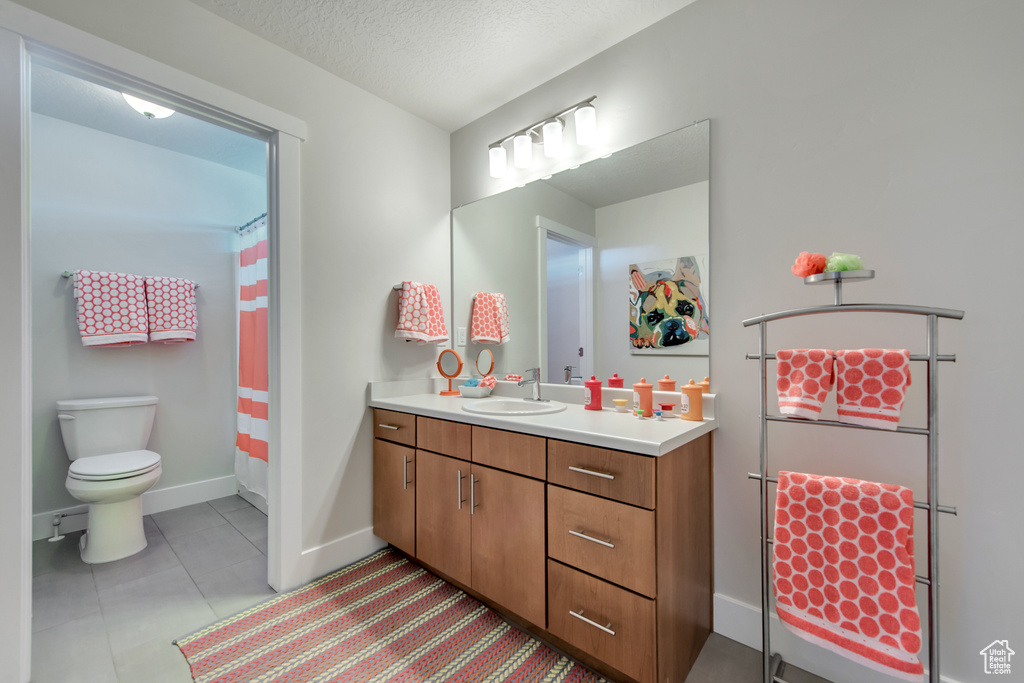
{"x": 442, "y": 436}
{"x": 392, "y": 426}
{"x": 626, "y": 477}
{"x": 519, "y": 453}
{"x": 619, "y": 627}
{"x": 602, "y": 537}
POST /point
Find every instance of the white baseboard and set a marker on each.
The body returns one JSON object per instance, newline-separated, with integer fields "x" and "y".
{"x": 328, "y": 557}
{"x": 156, "y": 500}
{"x": 742, "y": 622}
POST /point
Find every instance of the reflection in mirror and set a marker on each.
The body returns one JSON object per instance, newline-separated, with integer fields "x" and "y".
{"x": 485, "y": 362}
{"x": 449, "y": 364}
{"x": 560, "y": 250}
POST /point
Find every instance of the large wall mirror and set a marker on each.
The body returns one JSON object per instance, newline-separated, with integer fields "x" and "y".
{"x": 561, "y": 249}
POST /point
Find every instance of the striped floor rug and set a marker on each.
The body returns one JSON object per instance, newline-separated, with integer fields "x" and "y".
{"x": 380, "y": 619}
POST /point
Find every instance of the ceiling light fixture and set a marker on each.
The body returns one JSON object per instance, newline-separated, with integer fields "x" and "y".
{"x": 548, "y": 132}
{"x": 147, "y": 109}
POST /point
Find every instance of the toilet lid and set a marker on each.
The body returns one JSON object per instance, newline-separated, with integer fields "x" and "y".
{"x": 114, "y": 465}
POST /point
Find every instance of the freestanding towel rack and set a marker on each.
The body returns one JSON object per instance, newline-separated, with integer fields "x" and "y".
{"x": 772, "y": 662}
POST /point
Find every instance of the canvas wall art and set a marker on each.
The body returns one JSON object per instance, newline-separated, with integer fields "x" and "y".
{"x": 668, "y": 307}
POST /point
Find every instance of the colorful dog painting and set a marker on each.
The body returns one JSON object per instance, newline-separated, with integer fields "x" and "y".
{"x": 667, "y": 306}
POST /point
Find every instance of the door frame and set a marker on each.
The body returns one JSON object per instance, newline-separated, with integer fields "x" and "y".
{"x": 27, "y": 35}
{"x": 588, "y": 243}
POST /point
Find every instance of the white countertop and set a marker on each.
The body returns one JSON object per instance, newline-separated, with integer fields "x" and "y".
{"x": 606, "y": 428}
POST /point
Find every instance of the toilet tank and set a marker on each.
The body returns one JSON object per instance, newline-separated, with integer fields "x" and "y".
{"x": 95, "y": 426}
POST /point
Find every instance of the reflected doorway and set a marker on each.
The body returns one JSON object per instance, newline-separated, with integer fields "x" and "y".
{"x": 567, "y": 345}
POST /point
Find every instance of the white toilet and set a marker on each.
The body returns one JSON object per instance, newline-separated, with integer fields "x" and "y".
{"x": 110, "y": 470}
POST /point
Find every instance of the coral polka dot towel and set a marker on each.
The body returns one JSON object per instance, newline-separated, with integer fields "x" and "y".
{"x": 111, "y": 308}
{"x": 490, "y": 319}
{"x": 844, "y": 569}
{"x": 420, "y": 314}
{"x": 871, "y": 386}
{"x": 171, "y": 309}
{"x": 805, "y": 377}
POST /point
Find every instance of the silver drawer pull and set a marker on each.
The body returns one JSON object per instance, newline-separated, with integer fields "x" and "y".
{"x": 384, "y": 426}
{"x": 606, "y": 544}
{"x": 461, "y": 499}
{"x": 405, "y": 472}
{"x": 603, "y": 475}
{"x": 606, "y": 629}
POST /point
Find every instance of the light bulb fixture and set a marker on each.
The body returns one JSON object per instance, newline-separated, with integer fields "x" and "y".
{"x": 547, "y": 131}
{"x": 147, "y": 109}
{"x": 552, "y": 130}
{"x": 498, "y": 160}
{"x": 522, "y": 149}
{"x": 586, "y": 125}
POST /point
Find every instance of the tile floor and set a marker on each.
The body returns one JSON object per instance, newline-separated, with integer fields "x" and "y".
{"x": 116, "y": 622}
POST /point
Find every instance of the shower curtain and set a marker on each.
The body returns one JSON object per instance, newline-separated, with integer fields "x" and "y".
{"x": 251, "y": 442}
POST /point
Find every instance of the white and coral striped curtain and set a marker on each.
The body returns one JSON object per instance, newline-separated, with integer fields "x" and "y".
{"x": 251, "y": 442}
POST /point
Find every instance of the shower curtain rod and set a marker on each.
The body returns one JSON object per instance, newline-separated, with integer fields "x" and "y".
{"x": 67, "y": 273}
{"x": 252, "y": 222}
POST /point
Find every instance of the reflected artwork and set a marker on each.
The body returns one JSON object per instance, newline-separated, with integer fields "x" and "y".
{"x": 668, "y": 310}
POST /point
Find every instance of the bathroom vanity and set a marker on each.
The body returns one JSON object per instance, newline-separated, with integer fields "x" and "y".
{"x": 591, "y": 529}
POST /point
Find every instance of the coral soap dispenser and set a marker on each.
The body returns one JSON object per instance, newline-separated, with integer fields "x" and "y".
{"x": 592, "y": 394}
{"x": 643, "y": 398}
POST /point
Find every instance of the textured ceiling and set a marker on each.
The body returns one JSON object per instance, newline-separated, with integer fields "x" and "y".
{"x": 447, "y": 61}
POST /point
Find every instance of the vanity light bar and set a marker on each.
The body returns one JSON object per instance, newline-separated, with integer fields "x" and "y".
{"x": 547, "y": 131}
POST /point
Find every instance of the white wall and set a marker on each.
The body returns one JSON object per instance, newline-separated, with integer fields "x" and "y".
{"x": 886, "y": 129}
{"x": 494, "y": 245}
{"x": 659, "y": 226}
{"x": 102, "y": 202}
{"x": 374, "y": 212}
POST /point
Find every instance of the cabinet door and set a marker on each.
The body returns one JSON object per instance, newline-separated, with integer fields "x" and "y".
{"x": 442, "y": 515}
{"x": 508, "y": 541}
{"x": 394, "y": 494}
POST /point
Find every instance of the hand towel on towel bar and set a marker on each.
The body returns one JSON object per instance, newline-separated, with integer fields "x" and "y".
{"x": 111, "y": 308}
{"x": 871, "y": 386}
{"x": 171, "y": 309}
{"x": 490, "y": 319}
{"x": 420, "y": 314}
{"x": 843, "y": 561}
{"x": 805, "y": 376}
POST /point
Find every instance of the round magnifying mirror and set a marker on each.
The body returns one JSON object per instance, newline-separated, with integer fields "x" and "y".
{"x": 449, "y": 364}
{"x": 485, "y": 362}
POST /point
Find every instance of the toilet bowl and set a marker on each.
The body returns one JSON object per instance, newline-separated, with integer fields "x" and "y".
{"x": 110, "y": 470}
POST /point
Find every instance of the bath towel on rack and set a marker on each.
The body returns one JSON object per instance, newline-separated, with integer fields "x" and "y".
{"x": 489, "y": 324}
{"x": 871, "y": 386}
{"x": 843, "y": 561}
{"x": 805, "y": 376}
{"x": 111, "y": 308}
{"x": 171, "y": 309}
{"x": 420, "y": 314}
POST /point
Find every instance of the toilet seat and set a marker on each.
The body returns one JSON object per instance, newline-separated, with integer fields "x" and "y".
{"x": 112, "y": 466}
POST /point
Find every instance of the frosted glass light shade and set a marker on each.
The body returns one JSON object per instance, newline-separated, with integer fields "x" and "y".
{"x": 522, "y": 150}
{"x": 499, "y": 162}
{"x": 552, "y": 138}
{"x": 586, "y": 125}
{"x": 147, "y": 109}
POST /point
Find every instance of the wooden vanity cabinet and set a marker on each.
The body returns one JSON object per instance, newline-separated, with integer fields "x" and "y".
{"x": 394, "y": 479}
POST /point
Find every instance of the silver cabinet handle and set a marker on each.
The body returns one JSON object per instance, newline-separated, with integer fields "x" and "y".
{"x": 606, "y": 544}
{"x": 606, "y": 629}
{"x": 603, "y": 475}
{"x": 405, "y": 472}
{"x": 384, "y": 426}
{"x": 461, "y": 499}
{"x": 472, "y": 494}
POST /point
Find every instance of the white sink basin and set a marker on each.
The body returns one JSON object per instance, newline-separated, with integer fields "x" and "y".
{"x": 513, "y": 406}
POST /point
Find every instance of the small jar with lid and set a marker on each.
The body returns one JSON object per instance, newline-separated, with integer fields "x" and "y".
{"x": 592, "y": 394}
{"x": 705, "y": 385}
{"x": 643, "y": 397}
{"x": 615, "y": 382}
{"x": 666, "y": 384}
{"x": 691, "y": 407}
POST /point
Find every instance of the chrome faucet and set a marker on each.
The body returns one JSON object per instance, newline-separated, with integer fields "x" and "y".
{"x": 535, "y": 381}
{"x": 569, "y": 377}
